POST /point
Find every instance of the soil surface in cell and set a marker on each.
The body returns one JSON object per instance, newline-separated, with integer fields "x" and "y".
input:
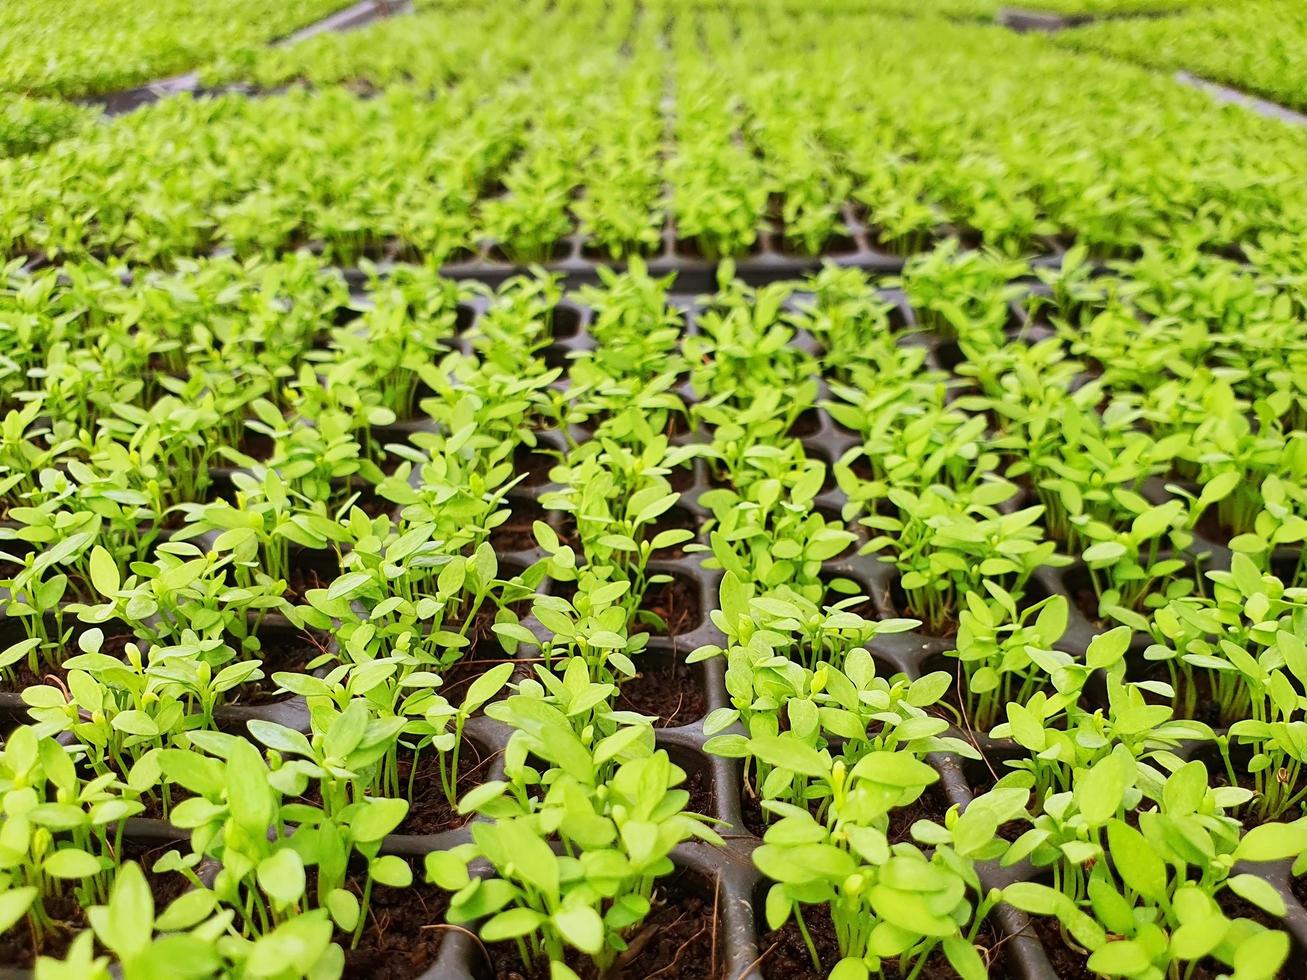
{"x": 403, "y": 933}
{"x": 19, "y": 946}
{"x": 669, "y": 693}
{"x": 675, "y": 603}
{"x": 431, "y": 812}
{"x": 288, "y": 653}
{"x": 785, "y": 956}
{"x": 516, "y": 533}
{"x": 678, "y": 940}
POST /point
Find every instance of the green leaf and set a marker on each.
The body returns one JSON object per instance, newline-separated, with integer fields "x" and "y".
{"x": 71, "y": 863}
{"x": 895, "y": 769}
{"x": 1032, "y": 897}
{"x": 964, "y": 958}
{"x": 1104, "y": 552}
{"x": 487, "y": 686}
{"x": 1260, "y": 956}
{"x": 14, "y": 904}
{"x": 279, "y": 737}
{"x": 851, "y": 968}
{"x": 200, "y": 774}
{"x": 1120, "y": 958}
{"x": 104, "y": 572}
{"x": 281, "y": 876}
{"x": 135, "y": 722}
{"x": 1136, "y": 861}
{"x": 511, "y": 924}
{"x": 348, "y": 585}
{"x": 187, "y": 910}
{"x": 379, "y": 817}
{"x": 545, "y": 536}
{"x": 446, "y": 869}
{"x": 479, "y": 796}
{"x": 127, "y": 926}
{"x": 581, "y": 926}
{"x": 1273, "y": 842}
{"x": 1260, "y": 892}
{"x": 344, "y": 908}
{"x": 1107, "y": 648}
{"x": 531, "y": 856}
{"x": 804, "y": 863}
{"x": 391, "y": 870}
{"x": 249, "y": 795}
{"x": 1099, "y": 791}
{"x": 787, "y": 752}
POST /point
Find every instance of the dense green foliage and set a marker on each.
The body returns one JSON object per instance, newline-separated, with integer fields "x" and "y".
{"x": 85, "y": 47}
{"x": 1257, "y": 47}
{"x": 28, "y": 125}
{"x": 774, "y": 124}
{"x": 354, "y": 611}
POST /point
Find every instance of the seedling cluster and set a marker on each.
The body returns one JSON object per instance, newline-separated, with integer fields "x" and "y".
{"x": 705, "y": 497}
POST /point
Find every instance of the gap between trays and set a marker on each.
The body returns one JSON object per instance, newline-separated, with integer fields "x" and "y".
{"x": 351, "y": 17}
{"x": 1024, "y": 20}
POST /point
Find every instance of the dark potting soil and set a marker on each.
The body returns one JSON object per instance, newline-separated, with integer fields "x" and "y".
{"x": 699, "y": 785}
{"x": 1067, "y": 963}
{"x": 667, "y": 691}
{"x": 755, "y": 820}
{"x": 1210, "y": 528}
{"x": 930, "y": 805}
{"x": 404, "y": 930}
{"x": 19, "y": 947}
{"x": 678, "y": 940}
{"x": 808, "y": 423}
{"x": 115, "y": 645}
{"x": 535, "y": 463}
{"x": 24, "y": 677}
{"x": 302, "y": 578}
{"x": 785, "y": 956}
{"x": 430, "y": 812}
{"x": 256, "y": 445}
{"x": 154, "y": 804}
{"x": 166, "y": 887}
{"x": 1206, "y": 708}
{"x": 676, "y": 603}
{"x": 291, "y": 653}
{"x": 1086, "y": 600}
{"x": 516, "y": 534}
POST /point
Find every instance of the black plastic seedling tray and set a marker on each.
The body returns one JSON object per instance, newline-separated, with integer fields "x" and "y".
{"x": 724, "y": 878}
{"x": 1027, "y": 19}
{"x": 576, "y": 261}
{"x": 1030, "y": 19}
